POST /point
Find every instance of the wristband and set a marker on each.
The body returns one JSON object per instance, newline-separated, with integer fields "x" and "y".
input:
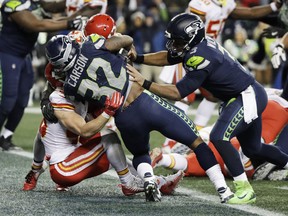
{"x": 273, "y": 6}
{"x": 139, "y": 59}
{"x": 105, "y": 115}
{"x": 147, "y": 84}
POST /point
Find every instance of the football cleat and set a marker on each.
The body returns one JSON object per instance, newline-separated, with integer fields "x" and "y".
{"x": 244, "y": 193}
{"x": 168, "y": 184}
{"x": 152, "y": 192}
{"x": 133, "y": 187}
{"x": 278, "y": 175}
{"x": 7, "y": 145}
{"x": 263, "y": 170}
{"x": 156, "y": 156}
{"x": 31, "y": 179}
{"x": 225, "y": 194}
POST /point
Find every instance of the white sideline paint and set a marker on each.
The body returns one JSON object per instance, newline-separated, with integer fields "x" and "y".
{"x": 190, "y": 192}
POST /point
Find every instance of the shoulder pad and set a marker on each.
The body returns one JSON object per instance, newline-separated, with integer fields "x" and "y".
{"x": 197, "y": 62}
{"x": 16, "y": 5}
{"x": 94, "y": 37}
{"x": 59, "y": 101}
{"x": 97, "y": 40}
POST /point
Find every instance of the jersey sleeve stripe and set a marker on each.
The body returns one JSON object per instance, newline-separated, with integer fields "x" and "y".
{"x": 63, "y": 106}
{"x": 195, "y": 11}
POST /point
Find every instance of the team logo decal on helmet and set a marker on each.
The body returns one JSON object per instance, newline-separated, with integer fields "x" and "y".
{"x": 184, "y": 32}
{"x": 193, "y": 27}
{"x": 61, "y": 52}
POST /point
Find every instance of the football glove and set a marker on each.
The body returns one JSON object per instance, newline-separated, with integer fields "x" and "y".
{"x": 278, "y": 56}
{"x": 78, "y": 23}
{"x": 273, "y": 32}
{"x": 48, "y": 111}
{"x": 113, "y": 103}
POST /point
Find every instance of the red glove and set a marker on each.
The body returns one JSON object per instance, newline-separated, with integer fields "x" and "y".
{"x": 113, "y": 103}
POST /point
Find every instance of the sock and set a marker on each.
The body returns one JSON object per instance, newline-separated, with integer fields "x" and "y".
{"x": 173, "y": 161}
{"x": 117, "y": 158}
{"x": 216, "y": 177}
{"x": 38, "y": 149}
{"x": 36, "y": 165}
{"x": 242, "y": 177}
{"x": 145, "y": 171}
{"x": 184, "y": 107}
{"x": 204, "y": 112}
{"x": 6, "y": 133}
{"x": 125, "y": 176}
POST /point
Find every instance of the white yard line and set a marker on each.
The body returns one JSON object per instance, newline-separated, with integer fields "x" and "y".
{"x": 190, "y": 192}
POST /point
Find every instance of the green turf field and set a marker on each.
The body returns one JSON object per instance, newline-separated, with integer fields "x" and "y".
{"x": 101, "y": 196}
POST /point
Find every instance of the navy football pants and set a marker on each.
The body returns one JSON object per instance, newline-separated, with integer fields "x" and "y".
{"x": 17, "y": 78}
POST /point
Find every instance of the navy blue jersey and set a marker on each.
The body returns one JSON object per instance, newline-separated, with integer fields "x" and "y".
{"x": 96, "y": 72}
{"x": 15, "y": 40}
{"x": 210, "y": 66}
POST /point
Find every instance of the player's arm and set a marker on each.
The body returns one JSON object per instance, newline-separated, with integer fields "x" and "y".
{"x": 31, "y": 23}
{"x": 118, "y": 41}
{"x": 76, "y": 124}
{"x": 157, "y": 59}
{"x": 168, "y": 91}
{"x": 254, "y": 12}
{"x": 284, "y": 41}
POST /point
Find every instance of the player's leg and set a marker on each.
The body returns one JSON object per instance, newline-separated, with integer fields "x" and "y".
{"x": 86, "y": 161}
{"x": 135, "y": 128}
{"x": 173, "y": 123}
{"x": 227, "y": 126}
{"x": 130, "y": 184}
{"x": 37, "y": 167}
{"x": 12, "y": 68}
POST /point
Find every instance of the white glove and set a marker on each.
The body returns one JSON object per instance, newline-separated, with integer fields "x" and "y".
{"x": 278, "y": 56}
{"x": 78, "y": 23}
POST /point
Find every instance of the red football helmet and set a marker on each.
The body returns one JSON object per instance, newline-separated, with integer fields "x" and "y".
{"x": 101, "y": 24}
{"x": 54, "y": 77}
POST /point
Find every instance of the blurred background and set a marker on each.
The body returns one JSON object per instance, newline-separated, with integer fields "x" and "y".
{"x": 146, "y": 20}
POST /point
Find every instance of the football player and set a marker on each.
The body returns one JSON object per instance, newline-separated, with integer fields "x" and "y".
{"x": 214, "y": 13}
{"x": 210, "y": 66}
{"x": 22, "y": 20}
{"x": 103, "y": 70}
{"x": 274, "y": 123}
{"x": 73, "y": 159}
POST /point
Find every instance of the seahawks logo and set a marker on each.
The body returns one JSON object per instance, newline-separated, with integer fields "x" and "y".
{"x": 193, "y": 27}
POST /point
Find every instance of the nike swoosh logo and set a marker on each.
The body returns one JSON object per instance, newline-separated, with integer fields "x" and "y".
{"x": 274, "y": 33}
{"x": 242, "y": 196}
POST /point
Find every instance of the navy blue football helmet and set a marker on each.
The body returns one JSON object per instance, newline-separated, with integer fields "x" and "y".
{"x": 61, "y": 52}
{"x": 183, "y": 32}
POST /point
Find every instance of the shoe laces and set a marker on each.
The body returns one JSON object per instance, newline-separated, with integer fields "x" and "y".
{"x": 30, "y": 176}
